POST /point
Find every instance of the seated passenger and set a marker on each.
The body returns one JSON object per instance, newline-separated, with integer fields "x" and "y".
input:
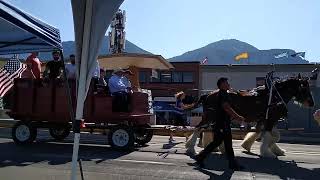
{"x": 100, "y": 84}
{"x": 102, "y": 81}
{"x": 120, "y": 89}
{"x": 54, "y": 69}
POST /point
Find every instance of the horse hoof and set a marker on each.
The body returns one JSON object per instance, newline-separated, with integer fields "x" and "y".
{"x": 215, "y": 150}
{"x": 191, "y": 152}
{"x": 277, "y": 150}
{"x": 268, "y": 155}
{"x": 280, "y": 153}
{"x": 246, "y": 147}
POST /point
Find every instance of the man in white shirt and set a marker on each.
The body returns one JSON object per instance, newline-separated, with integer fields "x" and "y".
{"x": 71, "y": 68}
{"x": 120, "y": 89}
{"x": 119, "y": 82}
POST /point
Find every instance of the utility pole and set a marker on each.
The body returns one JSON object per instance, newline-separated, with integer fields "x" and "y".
{"x": 117, "y": 34}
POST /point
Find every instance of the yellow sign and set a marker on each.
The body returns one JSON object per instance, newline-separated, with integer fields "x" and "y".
{"x": 244, "y": 55}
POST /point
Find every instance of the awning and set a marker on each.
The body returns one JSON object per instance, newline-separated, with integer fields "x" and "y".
{"x": 124, "y": 60}
{"x": 22, "y": 33}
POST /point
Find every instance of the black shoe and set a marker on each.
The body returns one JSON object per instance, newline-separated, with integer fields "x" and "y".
{"x": 235, "y": 166}
{"x": 199, "y": 161}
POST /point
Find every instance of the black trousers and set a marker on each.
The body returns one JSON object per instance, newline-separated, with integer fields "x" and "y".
{"x": 121, "y": 102}
{"x": 220, "y": 134}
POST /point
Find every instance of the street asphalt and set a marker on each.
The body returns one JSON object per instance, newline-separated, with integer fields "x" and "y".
{"x": 49, "y": 160}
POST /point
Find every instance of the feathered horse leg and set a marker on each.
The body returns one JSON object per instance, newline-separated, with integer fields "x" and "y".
{"x": 249, "y": 139}
{"x": 267, "y": 140}
{"x": 274, "y": 147}
{"x": 191, "y": 142}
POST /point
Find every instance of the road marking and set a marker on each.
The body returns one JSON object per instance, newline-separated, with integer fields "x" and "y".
{"x": 145, "y": 162}
{"x": 308, "y": 153}
{"x": 118, "y": 160}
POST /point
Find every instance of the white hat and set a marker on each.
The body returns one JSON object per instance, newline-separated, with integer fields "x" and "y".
{"x": 122, "y": 70}
{"x": 118, "y": 70}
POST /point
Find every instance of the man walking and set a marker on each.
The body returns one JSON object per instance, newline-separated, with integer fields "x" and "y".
{"x": 220, "y": 111}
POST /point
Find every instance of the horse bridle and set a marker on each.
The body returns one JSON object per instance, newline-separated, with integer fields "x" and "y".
{"x": 270, "y": 85}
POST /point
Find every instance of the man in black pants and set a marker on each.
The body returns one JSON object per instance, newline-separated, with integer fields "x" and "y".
{"x": 221, "y": 112}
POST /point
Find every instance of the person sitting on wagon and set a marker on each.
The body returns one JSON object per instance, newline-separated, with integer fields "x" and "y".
{"x": 100, "y": 84}
{"x": 54, "y": 69}
{"x": 101, "y": 80}
{"x": 120, "y": 89}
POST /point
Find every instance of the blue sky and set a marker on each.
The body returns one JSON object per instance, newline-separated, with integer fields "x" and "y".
{"x": 172, "y": 27}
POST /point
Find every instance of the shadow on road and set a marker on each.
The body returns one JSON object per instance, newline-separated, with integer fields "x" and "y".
{"x": 280, "y": 168}
{"x": 54, "y": 154}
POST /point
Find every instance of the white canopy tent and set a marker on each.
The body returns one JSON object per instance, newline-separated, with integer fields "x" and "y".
{"x": 23, "y": 33}
{"x": 91, "y": 20}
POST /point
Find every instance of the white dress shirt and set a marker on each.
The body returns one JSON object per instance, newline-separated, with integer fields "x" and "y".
{"x": 118, "y": 83}
{"x": 71, "y": 71}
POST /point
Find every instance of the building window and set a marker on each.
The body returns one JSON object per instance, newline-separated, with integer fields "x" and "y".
{"x": 166, "y": 77}
{"x": 187, "y": 77}
{"x": 173, "y": 77}
{"x": 155, "y": 76}
{"x": 260, "y": 81}
{"x": 143, "y": 76}
{"x": 177, "y": 77}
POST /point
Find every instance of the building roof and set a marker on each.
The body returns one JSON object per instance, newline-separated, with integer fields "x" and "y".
{"x": 124, "y": 60}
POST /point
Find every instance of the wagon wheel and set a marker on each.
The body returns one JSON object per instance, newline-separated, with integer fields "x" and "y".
{"x": 23, "y": 133}
{"x": 143, "y": 134}
{"x": 121, "y": 137}
{"x": 59, "y": 133}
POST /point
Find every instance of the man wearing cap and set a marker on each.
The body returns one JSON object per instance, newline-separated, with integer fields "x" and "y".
{"x": 120, "y": 89}
{"x": 54, "y": 69}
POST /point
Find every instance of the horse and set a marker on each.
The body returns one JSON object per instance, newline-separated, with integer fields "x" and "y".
{"x": 255, "y": 107}
{"x": 267, "y": 116}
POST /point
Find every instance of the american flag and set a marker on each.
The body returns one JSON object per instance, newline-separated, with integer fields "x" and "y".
{"x": 11, "y": 70}
{"x": 205, "y": 61}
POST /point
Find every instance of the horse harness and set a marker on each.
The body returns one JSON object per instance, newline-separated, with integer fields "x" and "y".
{"x": 272, "y": 88}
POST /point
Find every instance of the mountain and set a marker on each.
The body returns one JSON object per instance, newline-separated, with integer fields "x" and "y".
{"x": 224, "y": 51}
{"x": 69, "y": 48}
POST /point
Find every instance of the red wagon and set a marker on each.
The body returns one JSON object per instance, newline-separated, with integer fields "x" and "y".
{"x": 40, "y": 104}
{"x": 44, "y": 104}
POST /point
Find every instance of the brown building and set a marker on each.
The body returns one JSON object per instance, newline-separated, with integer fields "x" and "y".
{"x": 184, "y": 77}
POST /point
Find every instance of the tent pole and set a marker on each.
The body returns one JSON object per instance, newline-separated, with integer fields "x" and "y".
{"x": 68, "y": 91}
{"x": 75, "y": 123}
{"x": 81, "y": 89}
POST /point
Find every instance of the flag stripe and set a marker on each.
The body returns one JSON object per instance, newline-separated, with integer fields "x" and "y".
{"x": 11, "y": 70}
{"x": 9, "y": 82}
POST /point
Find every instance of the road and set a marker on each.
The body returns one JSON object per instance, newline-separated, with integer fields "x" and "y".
{"x": 51, "y": 160}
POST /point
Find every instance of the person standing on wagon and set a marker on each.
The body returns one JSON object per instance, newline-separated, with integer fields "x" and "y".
{"x": 33, "y": 66}
{"x": 54, "y": 69}
{"x": 120, "y": 89}
{"x": 71, "y": 68}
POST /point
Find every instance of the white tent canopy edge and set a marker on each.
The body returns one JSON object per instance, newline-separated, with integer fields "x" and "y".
{"x": 91, "y": 20}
